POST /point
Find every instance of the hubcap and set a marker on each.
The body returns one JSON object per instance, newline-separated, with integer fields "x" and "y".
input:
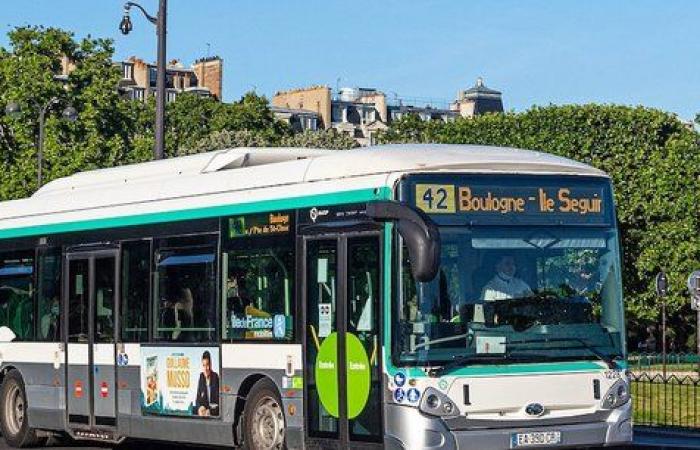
{"x": 14, "y": 409}
{"x": 268, "y": 425}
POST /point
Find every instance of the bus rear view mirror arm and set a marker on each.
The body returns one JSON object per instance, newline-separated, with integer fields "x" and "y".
{"x": 419, "y": 233}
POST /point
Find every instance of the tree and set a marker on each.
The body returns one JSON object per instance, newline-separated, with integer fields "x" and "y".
{"x": 327, "y": 139}
{"x": 197, "y": 123}
{"x": 652, "y": 157}
{"x": 101, "y": 137}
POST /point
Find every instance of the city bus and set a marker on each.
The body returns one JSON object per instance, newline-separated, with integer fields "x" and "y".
{"x": 400, "y": 297}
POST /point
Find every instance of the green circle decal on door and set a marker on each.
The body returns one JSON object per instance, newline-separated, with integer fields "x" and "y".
{"x": 326, "y": 373}
{"x": 358, "y": 375}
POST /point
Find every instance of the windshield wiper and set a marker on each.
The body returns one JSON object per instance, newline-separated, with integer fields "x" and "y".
{"x": 458, "y": 361}
{"x": 607, "y": 359}
{"x": 456, "y": 337}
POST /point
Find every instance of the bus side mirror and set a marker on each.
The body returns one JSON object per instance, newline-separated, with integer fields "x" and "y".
{"x": 418, "y": 232}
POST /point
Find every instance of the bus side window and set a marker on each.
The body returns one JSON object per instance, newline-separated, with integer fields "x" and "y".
{"x": 136, "y": 289}
{"x": 185, "y": 294}
{"x": 258, "y": 289}
{"x": 49, "y": 295}
{"x": 17, "y": 293}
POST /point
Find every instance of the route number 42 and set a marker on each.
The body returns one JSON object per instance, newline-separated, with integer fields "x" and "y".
{"x": 436, "y": 198}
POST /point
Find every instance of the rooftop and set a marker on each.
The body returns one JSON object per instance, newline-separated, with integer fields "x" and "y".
{"x": 480, "y": 89}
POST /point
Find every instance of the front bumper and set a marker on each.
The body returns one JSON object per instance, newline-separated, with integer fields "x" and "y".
{"x": 409, "y": 429}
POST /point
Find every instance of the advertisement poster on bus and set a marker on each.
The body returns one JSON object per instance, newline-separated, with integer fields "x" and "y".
{"x": 180, "y": 381}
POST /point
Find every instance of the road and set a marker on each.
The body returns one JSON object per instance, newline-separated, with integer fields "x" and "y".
{"x": 646, "y": 441}
{"x": 135, "y": 445}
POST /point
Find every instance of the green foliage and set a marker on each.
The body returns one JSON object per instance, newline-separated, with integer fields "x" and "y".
{"x": 101, "y": 137}
{"x": 245, "y": 138}
{"x": 329, "y": 139}
{"x": 652, "y": 157}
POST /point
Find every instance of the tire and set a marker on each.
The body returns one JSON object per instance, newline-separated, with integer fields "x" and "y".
{"x": 263, "y": 418}
{"x": 14, "y": 421}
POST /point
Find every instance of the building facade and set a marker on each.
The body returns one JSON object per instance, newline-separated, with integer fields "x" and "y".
{"x": 204, "y": 77}
{"x": 138, "y": 82}
{"x": 478, "y": 100}
{"x": 364, "y": 112}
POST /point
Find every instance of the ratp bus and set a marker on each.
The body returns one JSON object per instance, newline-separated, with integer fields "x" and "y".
{"x": 401, "y": 297}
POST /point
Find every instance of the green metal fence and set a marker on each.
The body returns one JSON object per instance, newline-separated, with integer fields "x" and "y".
{"x": 666, "y": 401}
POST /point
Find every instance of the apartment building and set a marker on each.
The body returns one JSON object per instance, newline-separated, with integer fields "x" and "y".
{"x": 204, "y": 77}
{"x": 364, "y": 112}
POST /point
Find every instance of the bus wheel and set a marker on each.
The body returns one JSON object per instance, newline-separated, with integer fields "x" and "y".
{"x": 263, "y": 418}
{"x": 14, "y": 421}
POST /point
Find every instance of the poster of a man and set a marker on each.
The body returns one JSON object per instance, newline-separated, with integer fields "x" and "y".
{"x": 207, "y": 403}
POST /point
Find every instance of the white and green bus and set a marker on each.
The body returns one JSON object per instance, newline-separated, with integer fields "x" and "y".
{"x": 401, "y": 297}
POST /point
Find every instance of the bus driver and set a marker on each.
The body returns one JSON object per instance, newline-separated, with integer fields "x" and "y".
{"x": 505, "y": 285}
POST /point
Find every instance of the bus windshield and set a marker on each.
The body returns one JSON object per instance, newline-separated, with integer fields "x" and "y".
{"x": 515, "y": 294}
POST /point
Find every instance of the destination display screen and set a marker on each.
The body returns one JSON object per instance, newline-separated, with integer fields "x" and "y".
{"x": 264, "y": 224}
{"x": 511, "y": 199}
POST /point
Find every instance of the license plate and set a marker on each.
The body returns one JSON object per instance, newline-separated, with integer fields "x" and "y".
{"x": 535, "y": 438}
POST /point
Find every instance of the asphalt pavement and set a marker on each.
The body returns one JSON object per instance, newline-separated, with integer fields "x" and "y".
{"x": 129, "y": 445}
{"x": 644, "y": 439}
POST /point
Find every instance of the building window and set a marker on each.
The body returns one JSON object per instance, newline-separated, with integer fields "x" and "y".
{"x": 152, "y": 76}
{"x": 185, "y": 284}
{"x": 135, "y": 290}
{"x": 128, "y": 71}
{"x": 137, "y": 93}
{"x": 49, "y": 294}
{"x": 258, "y": 286}
{"x": 17, "y": 292}
{"x": 337, "y": 113}
{"x": 311, "y": 124}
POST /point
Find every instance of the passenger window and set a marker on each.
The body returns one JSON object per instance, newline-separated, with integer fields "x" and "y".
{"x": 185, "y": 293}
{"x": 49, "y": 295}
{"x": 104, "y": 299}
{"x": 136, "y": 288}
{"x": 17, "y": 293}
{"x": 258, "y": 281}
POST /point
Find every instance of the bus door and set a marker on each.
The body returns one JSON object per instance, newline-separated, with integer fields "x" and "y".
{"x": 342, "y": 294}
{"x": 91, "y": 290}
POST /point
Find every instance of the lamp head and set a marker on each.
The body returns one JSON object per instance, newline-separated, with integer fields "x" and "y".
{"x": 12, "y": 109}
{"x": 125, "y": 26}
{"x": 70, "y": 114}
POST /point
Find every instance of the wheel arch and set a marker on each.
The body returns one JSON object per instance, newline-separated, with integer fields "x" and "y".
{"x": 5, "y": 369}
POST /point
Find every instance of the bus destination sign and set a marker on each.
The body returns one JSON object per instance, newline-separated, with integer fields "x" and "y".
{"x": 266, "y": 224}
{"x": 531, "y": 202}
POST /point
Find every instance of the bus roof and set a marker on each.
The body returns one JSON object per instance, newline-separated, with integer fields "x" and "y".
{"x": 214, "y": 176}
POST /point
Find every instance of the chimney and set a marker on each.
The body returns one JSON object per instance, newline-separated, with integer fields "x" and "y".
{"x": 209, "y": 73}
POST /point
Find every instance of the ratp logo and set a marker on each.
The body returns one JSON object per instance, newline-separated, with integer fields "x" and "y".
{"x": 315, "y": 213}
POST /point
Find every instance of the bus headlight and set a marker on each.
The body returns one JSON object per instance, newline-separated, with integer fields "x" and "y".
{"x": 617, "y": 395}
{"x": 436, "y": 403}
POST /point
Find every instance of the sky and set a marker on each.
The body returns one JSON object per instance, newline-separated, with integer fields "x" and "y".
{"x": 537, "y": 52}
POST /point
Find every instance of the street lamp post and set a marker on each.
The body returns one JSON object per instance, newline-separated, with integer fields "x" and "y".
{"x": 68, "y": 113}
{"x": 161, "y": 30}
{"x": 662, "y": 292}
